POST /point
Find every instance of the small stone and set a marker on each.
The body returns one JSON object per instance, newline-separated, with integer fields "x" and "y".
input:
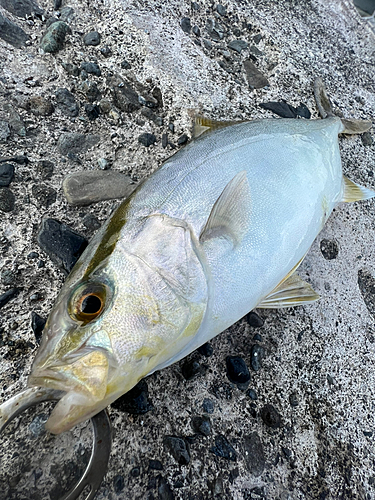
{"x": 35, "y": 297}
{"x": 253, "y": 454}
{"x": 7, "y": 200}
{"x": 171, "y": 127}
{"x": 44, "y": 195}
{"x": 37, "y": 325}
{"x": 54, "y": 38}
{"x": 190, "y": 369}
{"x": 91, "y": 67}
{"x": 57, "y": 4}
{"x": 103, "y": 163}
{"x": 92, "y": 111}
{"x": 270, "y": 416}
{"x": 22, "y": 8}
{"x": 238, "y": 45}
{"x": 14, "y": 120}
{"x": 293, "y": 399}
{"x": 329, "y": 249}
{"x": 72, "y": 142}
{"x": 118, "y": 483}
{"x": 66, "y": 102}
{"x": 37, "y": 426}
{"x": 258, "y": 338}
{"x": 252, "y": 394}
{"x": 63, "y": 245}
{"x": 303, "y": 111}
{"x": 150, "y": 115}
{"x": 207, "y": 44}
{"x": 366, "y": 283}
{"x": 125, "y": 64}
{"x": 83, "y": 74}
{"x": 8, "y": 295}
{"x": 237, "y": 371}
{"x": 12, "y": 33}
{"x": 196, "y": 31}
{"x": 256, "y": 357}
{"x": 164, "y": 140}
{"x": 215, "y": 30}
{"x": 135, "y": 472}
{"x": 105, "y": 106}
{"x": 223, "y": 448}
{"x": 201, "y": 425}
{"x": 186, "y": 24}
{"x": 44, "y": 169}
{"x": 71, "y": 69}
{"x": 281, "y": 108}
{"x": 147, "y": 139}
{"x": 67, "y": 14}
{"x": 33, "y": 255}
{"x": 257, "y": 38}
{"x": 367, "y": 139}
{"x": 125, "y": 98}
{"x": 92, "y": 38}
{"x": 105, "y": 51}
{"x": 255, "y": 78}
{"x": 90, "y": 89}
{"x": 39, "y": 106}
{"x": 4, "y": 129}
{"x": 164, "y": 490}
{"x": 155, "y": 465}
{"x": 255, "y": 51}
{"x": 178, "y": 448}
{"x": 221, "y": 10}
{"x": 206, "y": 350}
{"x": 8, "y": 277}
{"x": 208, "y": 406}
{"x": 6, "y": 174}
{"x": 182, "y": 139}
{"x": 195, "y": 6}
{"x": 254, "y": 320}
{"x": 136, "y": 401}
{"x": 91, "y": 222}
{"x": 91, "y": 186}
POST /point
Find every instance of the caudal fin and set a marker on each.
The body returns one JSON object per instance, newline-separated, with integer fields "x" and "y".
{"x": 355, "y": 192}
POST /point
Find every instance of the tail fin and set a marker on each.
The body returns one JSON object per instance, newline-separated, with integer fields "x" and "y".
{"x": 355, "y": 192}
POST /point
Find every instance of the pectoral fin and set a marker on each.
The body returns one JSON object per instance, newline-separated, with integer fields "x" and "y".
{"x": 291, "y": 292}
{"x": 354, "y": 126}
{"x": 355, "y": 192}
{"x": 230, "y": 215}
{"x": 203, "y": 125}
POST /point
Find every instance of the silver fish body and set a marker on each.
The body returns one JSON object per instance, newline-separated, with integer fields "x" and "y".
{"x": 208, "y": 237}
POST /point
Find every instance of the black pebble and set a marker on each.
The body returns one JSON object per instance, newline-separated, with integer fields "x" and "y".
{"x": 282, "y": 109}
{"x": 33, "y": 255}
{"x": 91, "y": 222}
{"x": 92, "y": 111}
{"x": 178, "y": 448}
{"x": 186, "y": 24}
{"x": 303, "y": 111}
{"x": 135, "y": 401}
{"x": 66, "y": 102}
{"x": 105, "y": 51}
{"x": 7, "y": 200}
{"x": 164, "y": 140}
{"x": 252, "y": 394}
{"x": 63, "y": 245}
{"x": 220, "y": 9}
{"x": 270, "y": 416}
{"x": 293, "y": 399}
{"x": 44, "y": 169}
{"x": 196, "y": 31}
{"x": 367, "y": 139}
{"x": 91, "y": 67}
{"x": 44, "y": 195}
{"x": 6, "y": 174}
{"x": 190, "y": 369}
{"x": 237, "y": 371}
{"x": 135, "y": 472}
{"x": 182, "y": 140}
{"x": 7, "y": 296}
{"x": 125, "y": 64}
{"x": 71, "y": 69}
{"x": 147, "y": 139}
{"x": 201, "y": 425}
{"x": 254, "y": 319}
{"x": 118, "y": 483}
{"x": 171, "y": 127}
{"x": 329, "y": 249}
{"x": 92, "y": 38}
{"x": 256, "y": 357}
{"x": 8, "y": 277}
{"x": 155, "y": 465}
{"x": 206, "y": 350}
{"x": 223, "y": 448}
{"x": 164, "y": 490}
{"x": 258, "y": 338}
{"x": 37, "y": 325}
{"x": 208, "y": 406}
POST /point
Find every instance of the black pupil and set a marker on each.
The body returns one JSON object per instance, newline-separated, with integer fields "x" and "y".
{"x": 91, "y": 304}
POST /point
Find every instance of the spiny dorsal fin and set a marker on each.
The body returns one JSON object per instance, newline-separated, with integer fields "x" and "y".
{"x": 230, "y": 215}
{"x": 355, "y": 192}
{"x": 203, "y": 124}
{"x": 354, "y": 126}
{"x": 291, "y": 292}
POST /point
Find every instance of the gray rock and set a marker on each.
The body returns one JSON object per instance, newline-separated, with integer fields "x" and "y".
{"x": 255, "y": 51}
{"x": 253, "y": 454}
{"x": 125, "y": 98}
{"x": 7, "y": 200}
{"x": 8, "y": 277}
{"x": 84, "y": 188}
{"x": 92, "y": 38}
{"x": 39, "y": 106}
{"x": 178, "y": 448}
{"x": 90, "y": 90}
{"x": 11, "y": 33}
{"x": 44, "y": 169}
{"x": 21, "y": 8}
{"x": 186, "y": 24}
{"x": 91, "y": 222}
{"x": 223, "y": 448}
{"x": 150, "y": 115}
{"x": 367, "y": 139}
{"x": 215, "y": 30}
{"x": 201, "y": 425}
{"x": 255, "y": 78}
{"x": 366, "y": 283}
{"x": 238, "y": 45}
{"x": 44, "y": 195}
{"x": 4, "y": 130}
{"x": 15, "y": 121}
{"x": 54, "y": 38}
{"x": 71, "y": 69}
{"x": 220, "y": 9}
{"x": 72, "y": 142}
{"x": 147, "y": 139}
{"x": 91, "y": 68}
{"x": 270, "y": 416}
{"x": 66, "y": 102}
{"x": 164, "y": 490}
{"x": 125, "y": 64}
{"x": 257, "y": 354}
{"x": 92, "y": 111}
{"x": 329, "y": 249}
{"x": 103, "y": 163}
{"x": 8, "y": 295}
{"x": 67, "y": 14}
{"x": 6, "y": 174}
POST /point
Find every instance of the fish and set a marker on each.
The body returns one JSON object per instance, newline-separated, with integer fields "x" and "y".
{"x": 218, "y": 230}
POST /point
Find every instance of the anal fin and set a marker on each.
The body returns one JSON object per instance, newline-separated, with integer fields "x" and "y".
{"x": 292, "y": 291}
{"x": 355, "y": 192}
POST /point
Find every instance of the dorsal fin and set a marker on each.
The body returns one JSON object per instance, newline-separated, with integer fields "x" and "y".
{"x": 230, "y": 214}
{"x": 354, "y": 126}
{"x": 355, "y": 192}
{"x": 290, "y": 292}
{"x": 203, "y": 125}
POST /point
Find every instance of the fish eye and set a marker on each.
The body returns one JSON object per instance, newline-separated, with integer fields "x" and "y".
{"x": 87, "y": 302}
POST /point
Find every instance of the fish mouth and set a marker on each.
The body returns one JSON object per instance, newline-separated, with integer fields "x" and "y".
{"x": 84, "y": 381}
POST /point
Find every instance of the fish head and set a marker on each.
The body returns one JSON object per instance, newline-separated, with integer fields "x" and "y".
{"x": 116, "y": 322}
